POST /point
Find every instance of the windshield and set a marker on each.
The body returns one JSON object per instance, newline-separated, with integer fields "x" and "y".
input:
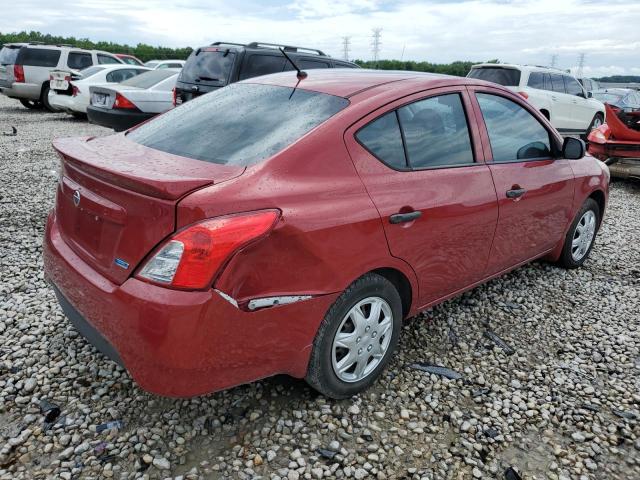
{"x": 240, "y": 125}
{"x": 208, "y": 65}
{"x": 509, "y": 77}
{"x": 87, "y": 72}
{"x": 149, "y": 79}
{"x": 608, "y": 97}
{"x": 8, "y": 55}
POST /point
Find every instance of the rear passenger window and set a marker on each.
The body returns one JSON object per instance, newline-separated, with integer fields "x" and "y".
{"x": 118, "y": 76}
{"x": 383, "y": 139}
{"x": 107, "y": 59}
{"x": 436, "y": 132}
{"x": 262, "y": 65}
{"x": 536, "y": 80}
{"x": 38, "y": 57}
{"x": 175, "y": 65}
{"x": 514, "y": 133}
{"x": 311, "y": 64}
{"x": 79, "y": 60}
{"x": 557, "y": 84}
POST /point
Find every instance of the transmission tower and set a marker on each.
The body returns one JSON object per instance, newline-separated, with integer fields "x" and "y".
{"x": 580, "y": 64}
{"x": 554, "y": 60}
{"x": 375, "y": 44}
{"x": 346, "y": 46}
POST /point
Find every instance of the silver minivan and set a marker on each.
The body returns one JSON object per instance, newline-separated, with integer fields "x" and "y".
{"x": 25, "y": 69}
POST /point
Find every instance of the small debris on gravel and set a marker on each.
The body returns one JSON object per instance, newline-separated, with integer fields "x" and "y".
{"x": 499, "y": 342}
{"x": 437, "y": 370}
{"x": 576, "y": 332}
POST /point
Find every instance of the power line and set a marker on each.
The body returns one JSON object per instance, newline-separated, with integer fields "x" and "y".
{"x": 346, "y": 43}
{"x": 376, "y": 43}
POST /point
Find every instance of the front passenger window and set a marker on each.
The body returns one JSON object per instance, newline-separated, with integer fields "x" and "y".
{"x": 514, "y": 133}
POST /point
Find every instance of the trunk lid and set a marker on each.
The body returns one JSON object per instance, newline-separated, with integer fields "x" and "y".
{"x": 60, "y": 80}
{"x": 117, "y": 199}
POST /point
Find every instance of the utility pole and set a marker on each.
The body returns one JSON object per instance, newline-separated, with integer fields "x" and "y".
{"x": 375, "y": 44}
{"x": 346, "y": 42}
{"x": 581, "y": 64}
{"x": 554, "y": 60}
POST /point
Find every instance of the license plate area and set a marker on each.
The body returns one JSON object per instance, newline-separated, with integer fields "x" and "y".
{"x": 99, "y": 99}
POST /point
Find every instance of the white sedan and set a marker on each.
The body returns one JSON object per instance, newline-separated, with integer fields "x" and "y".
{"x": 156, "y": 64}
{"x": 73, "y": 96}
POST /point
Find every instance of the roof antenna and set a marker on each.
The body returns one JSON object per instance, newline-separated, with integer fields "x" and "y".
{"x": 301, "y": 73}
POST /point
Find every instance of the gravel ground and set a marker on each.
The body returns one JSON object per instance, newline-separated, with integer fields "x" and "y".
{"x": 563, "y": 404}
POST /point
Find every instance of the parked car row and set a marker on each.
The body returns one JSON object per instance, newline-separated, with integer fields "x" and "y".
{"x": 566, "y": 103}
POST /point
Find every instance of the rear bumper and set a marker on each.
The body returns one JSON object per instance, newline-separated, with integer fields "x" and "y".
{"x": 119, "y": 120}
{"x": 27, "y": 91}
{"x": 177, "y": 343}
{"x": 66, "y": 103}
{"x": 614, "y": 149}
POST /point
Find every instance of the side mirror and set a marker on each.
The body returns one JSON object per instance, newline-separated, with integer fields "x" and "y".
{"x": 581, "y": 94}
{"x": 589, "y": 94}
{"x": 573, "y": 148}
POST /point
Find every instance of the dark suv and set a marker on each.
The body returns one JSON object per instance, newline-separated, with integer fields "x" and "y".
{"x": 221, "y": 63}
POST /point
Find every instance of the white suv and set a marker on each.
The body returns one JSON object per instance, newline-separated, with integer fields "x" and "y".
{"x": 25, "y": 68}
{"x": 557, "y": 94}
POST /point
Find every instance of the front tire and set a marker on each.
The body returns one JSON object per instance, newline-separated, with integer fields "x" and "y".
{"x": 31, "y": 104}
{"x": 357, "y": 338}
{"x": 581, "y": 236}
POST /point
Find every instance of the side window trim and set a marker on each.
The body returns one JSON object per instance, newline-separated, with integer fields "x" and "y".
{"x": 465, "y": 108}
{"x": 553, "y": 140}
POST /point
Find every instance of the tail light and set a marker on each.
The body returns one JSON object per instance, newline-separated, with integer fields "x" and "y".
{"x": 600, "y": 135}
{"x": 18, "y": 73}
{"x": 192, "y": 258}
{"x": 74, "y": 91}
{"x": 524, "y": 95}
{"x": 173, "y": 93}
{"x": 122, "y": 102}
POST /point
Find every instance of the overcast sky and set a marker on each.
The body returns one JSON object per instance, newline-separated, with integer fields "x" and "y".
{"x": 518, "y": 31}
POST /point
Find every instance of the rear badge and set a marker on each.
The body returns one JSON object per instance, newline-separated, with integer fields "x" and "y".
{"x": 121, "y": 263}
{"x": 76, "y": 198}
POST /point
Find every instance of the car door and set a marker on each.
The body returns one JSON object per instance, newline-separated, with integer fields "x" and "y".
{"x": 561, "y": 104}
{"x": 534, "y": 187}
{"x": 582, "y": 110}
{"x": 421, "y": 162}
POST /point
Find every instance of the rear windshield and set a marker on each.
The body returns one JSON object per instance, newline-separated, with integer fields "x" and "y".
{"x": 509, "y": 77}
{"x": 38, "y": 57}
{"x": 241, "y": 124}
{"x": 210, "y": 66}
{"x": 149, "y": 79}
{"x": 608, "y": 97}
{"x": 8, "y": 55}
{"x": 87, "y": 72}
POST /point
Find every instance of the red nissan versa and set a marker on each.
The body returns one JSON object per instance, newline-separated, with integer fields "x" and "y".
{"x": 280, "y": 225}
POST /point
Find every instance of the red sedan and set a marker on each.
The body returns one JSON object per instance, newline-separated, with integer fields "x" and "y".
{"x": 286, "y": 225}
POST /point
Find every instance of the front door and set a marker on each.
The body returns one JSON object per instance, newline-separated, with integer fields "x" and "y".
{"x": 423, "y": 168}
{"x": 534, "y": 188}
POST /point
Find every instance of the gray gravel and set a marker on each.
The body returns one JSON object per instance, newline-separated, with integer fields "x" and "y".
{"x": 564, "y": 405}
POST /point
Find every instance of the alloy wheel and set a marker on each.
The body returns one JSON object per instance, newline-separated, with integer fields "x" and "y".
{"x": 583, "y": 235}
{"x": 362, "y": 339}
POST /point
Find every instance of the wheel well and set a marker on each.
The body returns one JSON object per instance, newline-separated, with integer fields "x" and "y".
{"x": 598, "y": 196}
{"x": 401, "y": 283}
{"x": 545, "y": 112}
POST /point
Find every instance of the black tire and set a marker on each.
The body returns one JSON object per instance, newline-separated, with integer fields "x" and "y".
{"x": 567, "y": 259}
{"x": 320, "y": 374}
{"x": 30, "y": 104}
{"x": 597, "y": 117}
{"x": 44, "y": 99}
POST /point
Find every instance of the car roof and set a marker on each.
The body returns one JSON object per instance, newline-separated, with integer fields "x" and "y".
{"x": 530, "y": 68}
{"x": 621, "y": 91}
{"x": 347, "y": 82}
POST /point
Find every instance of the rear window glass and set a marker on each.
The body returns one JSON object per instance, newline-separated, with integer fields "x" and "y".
{"x": 607, "y": 97}
{"x": 149, "y": 79}
{"x": 39, "y": 57}
{"x": 8, "y": 55}
{"x": 509, "y": 77}
{"x": 87, "y": 72}
{"x": 241, "y": 124}
{"x": 383, "y": 139}
{"x": 536, "y": 80}
{"x": 208, "y": 66}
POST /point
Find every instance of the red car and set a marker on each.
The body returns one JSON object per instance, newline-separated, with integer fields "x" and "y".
{"x": 288, "y": 225}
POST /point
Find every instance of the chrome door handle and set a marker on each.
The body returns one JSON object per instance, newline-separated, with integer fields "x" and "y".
{"x": 516, "y": 193}
{"x": 404, "y": 217}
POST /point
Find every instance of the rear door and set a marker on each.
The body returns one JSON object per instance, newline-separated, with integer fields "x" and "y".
{"x": 535, "y": 189}
{"x": 420, "y": 159}
{"x": 562, "y": 104}
{"x": 582, "y": 111}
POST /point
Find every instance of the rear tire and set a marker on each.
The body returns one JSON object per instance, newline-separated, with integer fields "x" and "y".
{"x": 581, "y": 236}
{"x": 44, "y": 98}
{"x": 357, "y": 338}
{"x": 31, "y": 104}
